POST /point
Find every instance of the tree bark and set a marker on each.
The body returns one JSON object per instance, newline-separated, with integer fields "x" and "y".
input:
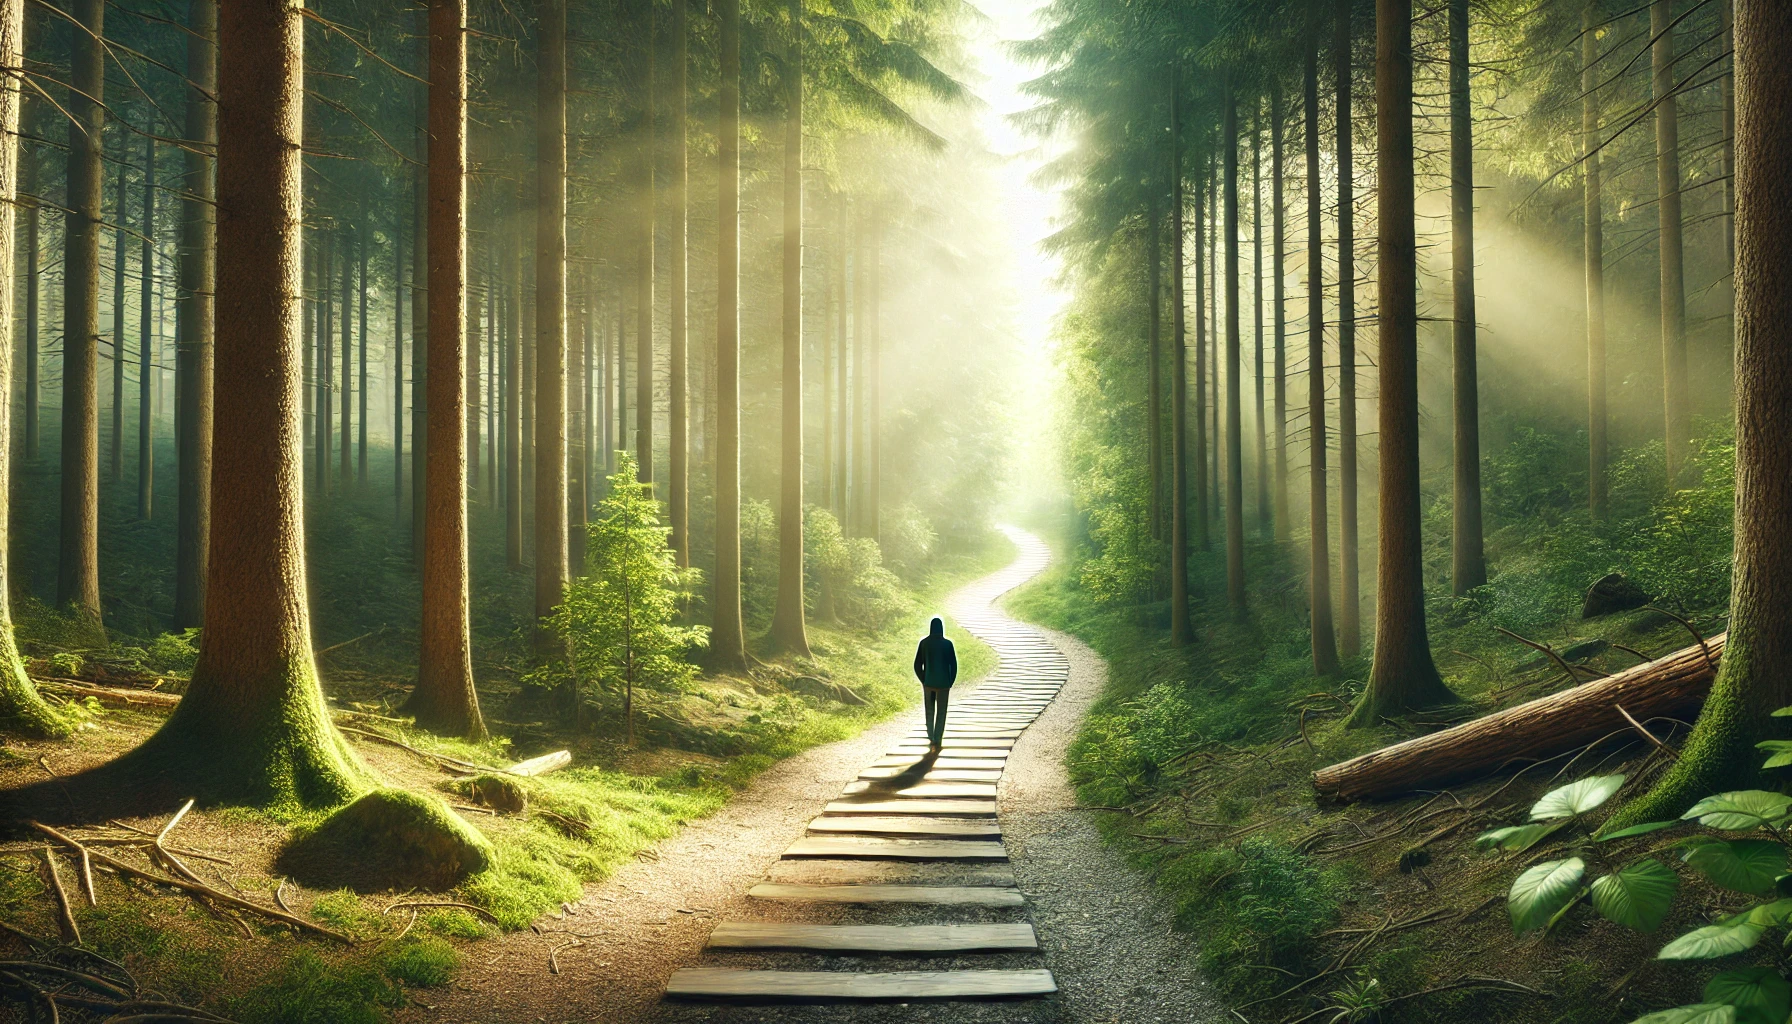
{"x": 29, "y": 165}
{"x": 1673, "y": 271}
{"x": 475, "y": 327}
{"x": 398, "y": 287}
{"x": 511, "y": 267}
{"x": 444, "y": 700}
{"x": 1755, "y": 680}
{"x": 841, "y": 495}
{"x": 1265, "y": 518}
{"x": 252, "y": 725}
{"x": 788, "y": 631}
{"x": 874, "y": 426}
{"x": 1235, "y": 591}
{"x": 326, "y": 365}
{"x": 678, "y": 487}
{"x": 420, "y": 303}
{"x": 727, "y": 639}
{"x": 1278, "y": 296}
{"x": 1668, "y": 687}
{"x": 22, "y": 708}
{"x": 1350, "y": 622}
{"x": 1203, "y": 506}
{"x": 1468, "y": 564}
{"x": 120, "y": 264}
{"x": 550, "y": 322}
{"x": 645, "y": 257}
{"x": 1319, "y": 571}
{"x": 146, "y": 341}
{"x": 1154, "y": 361}
{"x": 78, "y": 552}
{"x": 577, "y": 355}
{"x": 364, "y": 240}
{"x": 1403, "y": 677}
{"x": 856, "y": 513}
{"x": 345, "y": 455}
{"x": 1593, "y": 214}
{"x": 1181, "y": 631}
{"x": 1727, "y": 162}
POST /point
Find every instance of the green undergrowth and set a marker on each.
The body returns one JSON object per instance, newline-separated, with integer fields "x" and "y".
{"x": 1201, "y": 758}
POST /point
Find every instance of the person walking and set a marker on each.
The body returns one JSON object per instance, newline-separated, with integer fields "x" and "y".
{"x": 936, "y": 665}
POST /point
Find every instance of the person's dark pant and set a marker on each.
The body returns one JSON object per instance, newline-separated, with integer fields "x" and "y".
{"x": 933, "y": 698}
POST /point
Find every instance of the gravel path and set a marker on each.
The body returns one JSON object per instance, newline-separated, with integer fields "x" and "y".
{"x": 1104, "y": 930}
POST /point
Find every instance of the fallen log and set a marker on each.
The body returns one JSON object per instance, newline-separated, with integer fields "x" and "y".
{"x": 1673, "y": 686}
{"x": 115, "y": 696}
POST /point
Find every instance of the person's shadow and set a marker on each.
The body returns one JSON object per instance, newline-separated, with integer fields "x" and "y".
{"x": 883, "y": 789}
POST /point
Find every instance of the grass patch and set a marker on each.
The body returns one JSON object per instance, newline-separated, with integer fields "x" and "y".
{"x": 309, "y": 990}
{"x": 423, "y": 961}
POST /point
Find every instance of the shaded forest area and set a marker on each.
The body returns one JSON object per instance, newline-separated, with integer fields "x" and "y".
{"x": 1420, "y": 391}
{"x": 452, "y": 446}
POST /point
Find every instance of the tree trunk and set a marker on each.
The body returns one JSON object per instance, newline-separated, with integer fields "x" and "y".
{"x": 550, "y": 322}
{"x": 1154, "y": 361}
{"x": 874, "y": 424}
{"x": 1755, "y": 680}
{"x": 1181, "y": 632}
{"x": 1235, "y": 591}
{"x": 1673, "y": 272}
{"x": 146, "y": 342}
{"x": 727, "y": 639}
{"x": 475, "y": 327}
{"x": 444, "y": 700}
{"x": 512, "y": 269}
{"x": 22, "y": 708}
{"x": 1350, "y": 611}
{"x": 644, "y": 259}
{"x": 78, "y": 560}
{"x": 252, "y": 725}
{"x": 577, "y": 354}
{"x": 840, "y": 497}
{"x": 1215, "y": 478}
{"x": 825, "y": 480}
{"x": 364, "y": 236}
{"x": 1403, "y": 676}
{"x": 1319, "y": 571}
{"x": 1468, "y": 565}
{"x": 29, "y": 160}
{"x": 326, "y": 365}
{"x": 346, "y": 452}
{"x": 398, "y": 366}
{"x": 1594, "y": 250}
{"x": 420, "y": 304}
{"x": 856, "y": 514}
{"x": 788, "y": 632}
{"x": 120, "y": 263}
{"x": 1668, "y": 687}
{"x": 1278, "y": 296}
{"x": 1727, "y": 164}
{"x": 1265, "y": 521}
{"x": 1203, "y": 507}
{"x": 678, "y": 488}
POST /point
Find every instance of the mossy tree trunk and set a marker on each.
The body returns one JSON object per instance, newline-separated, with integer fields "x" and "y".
{"x": 22, "y": 708}
{"x": 253, "y": 726}
{"x": 1403, "y": 677}
{"x": 727, "y": 638}
{"x": 788, "y": 631}
{"x": 1755, "y": 677}
{"x": 444, "y": 700}
{"x": 197, "y": 319}
{"x": 78, "y": 561}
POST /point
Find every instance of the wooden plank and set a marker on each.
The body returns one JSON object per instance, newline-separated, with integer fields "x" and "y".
{"x": 943, "y": 808}
{"x": 856, "y": 847}
{"x": 944, "y": 761}
{"x": 874, "y": 938}
{"x": 989, "y": 775}
{"x": 912, "y": 825}
{"x": 925, "y": 789}
{"x": 944, "y": 895}
{"x": 823, "y": 871}
{"x": 715, "y": 983}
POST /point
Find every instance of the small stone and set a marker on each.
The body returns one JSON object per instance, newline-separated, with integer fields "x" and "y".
{"x": 1613, "y": 592}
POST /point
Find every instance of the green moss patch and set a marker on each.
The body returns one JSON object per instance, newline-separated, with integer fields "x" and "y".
{"x": 390, "y": 838}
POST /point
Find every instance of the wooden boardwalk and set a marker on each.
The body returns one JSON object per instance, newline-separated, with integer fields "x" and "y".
{"x": 907, "y": 849}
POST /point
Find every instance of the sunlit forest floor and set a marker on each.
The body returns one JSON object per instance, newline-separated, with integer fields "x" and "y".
{"x": 695, "y": 750}
{"x": 1386, "y": 911}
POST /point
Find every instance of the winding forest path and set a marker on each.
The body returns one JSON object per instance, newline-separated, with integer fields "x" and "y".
{"x": 880, "y": 888}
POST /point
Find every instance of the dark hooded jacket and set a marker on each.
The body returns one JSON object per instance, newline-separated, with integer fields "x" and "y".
{"x": 936, "y": 663}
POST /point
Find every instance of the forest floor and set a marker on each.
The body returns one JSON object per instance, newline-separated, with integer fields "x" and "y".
{"x": 1310, "y": 911}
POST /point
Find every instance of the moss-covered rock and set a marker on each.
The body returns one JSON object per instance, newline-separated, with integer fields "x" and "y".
{"x": 389, "y": 838}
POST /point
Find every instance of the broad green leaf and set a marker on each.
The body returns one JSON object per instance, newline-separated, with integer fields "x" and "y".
{"x": 1739, "y": 865}
{"x": 1741, "y": 810}
{"x": 1759, "y": 994}
{"x": 1769, "y": 915}
{"x": 1515, "y": 839}
{"x": 1700, "y": 1013}
{"x": 1577, "y": 797}
{"x": 1542, "y": 890}
{"x": 1639, "y": 896}
{"x": 1637, "y": 830}
{"x": 1785, "y": 712}
{"x": 1714, "y": 940}
{"x": 1782, "y": 752}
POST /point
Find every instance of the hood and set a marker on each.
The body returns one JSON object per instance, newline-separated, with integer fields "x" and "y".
{"x": 938, "y": 628}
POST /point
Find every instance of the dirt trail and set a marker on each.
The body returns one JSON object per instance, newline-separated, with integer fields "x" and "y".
{"x": 1104, "y": 931}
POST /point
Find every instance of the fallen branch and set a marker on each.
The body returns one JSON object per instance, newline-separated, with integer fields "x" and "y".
{"x": 1537, "y": 730}
{"x": 108, "y": 694}
{"x": 542, "y": 765}
{"x": 1646, "y": 734}
{"x": 127, "y": 868}
{"x": 441, "y": 904}
{"x": 65, "y": 912}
